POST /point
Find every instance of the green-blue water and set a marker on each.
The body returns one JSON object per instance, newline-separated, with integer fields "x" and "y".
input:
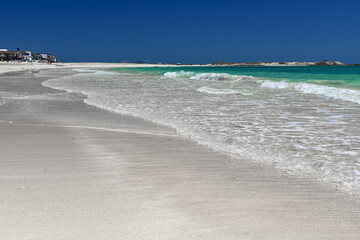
{"x": 300, "y": 127}
{"x": 336, "y": 76}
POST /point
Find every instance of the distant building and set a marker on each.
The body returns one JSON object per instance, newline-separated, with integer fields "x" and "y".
{"x": 2, "y": 54}
{"x": 15, "y": 55}
{"x": 52, "y": 59}
{"x": 26, "y": 57}
{"x": 2, "y": 57}
{"x": 42, "y": 57}
{"x": 10, "y": 55}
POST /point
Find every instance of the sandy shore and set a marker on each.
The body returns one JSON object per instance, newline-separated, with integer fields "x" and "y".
{"x": 6, "y": 67}
{"x": 72, "y": 171}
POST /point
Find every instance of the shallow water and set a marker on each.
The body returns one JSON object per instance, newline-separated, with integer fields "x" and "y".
{"x": 302, "y": 127}
{"x": 336, "y": 76}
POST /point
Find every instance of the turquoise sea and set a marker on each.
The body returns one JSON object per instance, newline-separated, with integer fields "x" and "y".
{"x": 336, "y": 76}
{"x": 303, "y": 120}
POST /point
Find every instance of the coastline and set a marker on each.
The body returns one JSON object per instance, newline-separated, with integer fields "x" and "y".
{"x": 6, "y": 67}
{"x": 22, "y": 66}
{"x": 85, "y": 173}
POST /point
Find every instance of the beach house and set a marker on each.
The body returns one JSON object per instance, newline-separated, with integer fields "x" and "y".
{"x": 42, "y": 57}
{"x": 51, "y": 59}
{"x": 26, "y": 57}
{"x": 2, "y": 54}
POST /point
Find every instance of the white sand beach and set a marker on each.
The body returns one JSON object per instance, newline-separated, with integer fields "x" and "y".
{"x": 21, "y": 66}
{"x": 72, "y": 171}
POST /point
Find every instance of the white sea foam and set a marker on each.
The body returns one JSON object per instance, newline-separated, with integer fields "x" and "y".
{"x": 337, "y": 93}
{"x": 181, "y": 74}
{"x": 213, "y": 76}
{"x": 84, "y": 70}
{"x": 307, "y": 88}
{"x": 275, "y": 85}
{"x": 201, "y": 76}
{"x": 301, "y": 133}
{"x": 210, "y": 90}
{"x": 332, "y": 92}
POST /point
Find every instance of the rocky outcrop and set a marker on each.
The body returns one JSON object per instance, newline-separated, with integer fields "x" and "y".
{"x": 323, "y": 63}
{"x": 328, "y": 63}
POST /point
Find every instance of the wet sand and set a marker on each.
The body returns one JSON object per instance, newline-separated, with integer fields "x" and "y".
{"x": 72, "y": 171}
{"x": 7, "y": 67}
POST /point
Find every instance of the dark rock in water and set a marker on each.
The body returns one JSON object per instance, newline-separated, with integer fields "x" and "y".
{"x": 222, "y": 63}
{"x": 328, "y": 63}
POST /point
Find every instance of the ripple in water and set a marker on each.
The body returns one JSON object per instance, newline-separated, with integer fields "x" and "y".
{"x": 277, "y": 124}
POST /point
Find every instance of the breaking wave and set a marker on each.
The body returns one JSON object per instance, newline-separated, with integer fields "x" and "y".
{"x": 201, "y": 76}
{"x": 275, "y": 85}
{"x": 290, "y": 127}
{"x": 333, "y": 92}
{"x": 307, "y": 88}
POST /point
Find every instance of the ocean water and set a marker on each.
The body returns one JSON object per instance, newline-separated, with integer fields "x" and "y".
{"x": 304, "y": 120}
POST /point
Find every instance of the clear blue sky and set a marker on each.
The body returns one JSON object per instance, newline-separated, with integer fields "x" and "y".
{"x": 185, "y": 31}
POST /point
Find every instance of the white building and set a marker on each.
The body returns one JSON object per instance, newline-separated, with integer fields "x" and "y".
{"x": 26, "y": 57}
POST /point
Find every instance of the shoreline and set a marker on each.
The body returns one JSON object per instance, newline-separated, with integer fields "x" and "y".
{"x": 86, "y": 173}
{"x": 338, "y": 185}
{"x": 6, "y": 67}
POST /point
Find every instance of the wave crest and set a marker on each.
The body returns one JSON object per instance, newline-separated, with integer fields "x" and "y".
{"x": 204, "y": 76}
{"x": 181, "y": 74}
{"x": 333, "y": 92}
{"x": 275, "y": 85}
{"x": 308, "y": 88}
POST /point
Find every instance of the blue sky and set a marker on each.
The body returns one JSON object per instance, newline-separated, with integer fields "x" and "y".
{"x": 185, "y": 31}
